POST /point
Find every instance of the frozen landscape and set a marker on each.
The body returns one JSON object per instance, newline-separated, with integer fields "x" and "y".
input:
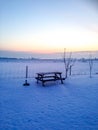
{"x": 44, "y": 43}
{"x": 69, "y": 106}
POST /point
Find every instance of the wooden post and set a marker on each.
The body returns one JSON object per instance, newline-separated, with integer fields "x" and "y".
{"x": 70, "y": 67}
{"x": 26, "y": 83}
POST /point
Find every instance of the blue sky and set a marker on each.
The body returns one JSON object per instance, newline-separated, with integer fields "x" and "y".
{"x": 48, "y": 25}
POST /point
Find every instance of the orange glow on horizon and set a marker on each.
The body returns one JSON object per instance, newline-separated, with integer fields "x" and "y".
{"x": 50, "y": 50}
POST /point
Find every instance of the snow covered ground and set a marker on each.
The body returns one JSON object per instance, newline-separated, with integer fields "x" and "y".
{"x": 69, "y": 106}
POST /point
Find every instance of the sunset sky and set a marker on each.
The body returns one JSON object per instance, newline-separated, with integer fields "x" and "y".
{"x": 48, "y": 25}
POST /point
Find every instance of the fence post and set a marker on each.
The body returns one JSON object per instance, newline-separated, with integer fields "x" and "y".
{"x": 26, "y": 83}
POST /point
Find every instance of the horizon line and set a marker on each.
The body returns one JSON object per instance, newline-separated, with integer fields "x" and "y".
{"x": 49, "y": 52}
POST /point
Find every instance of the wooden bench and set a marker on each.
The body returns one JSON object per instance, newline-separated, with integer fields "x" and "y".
{"x": 49, "y": 76}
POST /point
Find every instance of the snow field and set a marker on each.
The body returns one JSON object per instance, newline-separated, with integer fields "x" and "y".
{"x": 69, "y": 106}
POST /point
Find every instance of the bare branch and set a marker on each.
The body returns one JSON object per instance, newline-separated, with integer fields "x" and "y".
{"x": 67, "y": 63}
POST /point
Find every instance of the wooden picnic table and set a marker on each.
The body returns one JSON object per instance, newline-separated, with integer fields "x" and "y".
{"x": 49, "y": 76}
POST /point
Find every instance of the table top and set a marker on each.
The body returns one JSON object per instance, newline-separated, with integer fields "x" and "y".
{"x": 46, "y": 73}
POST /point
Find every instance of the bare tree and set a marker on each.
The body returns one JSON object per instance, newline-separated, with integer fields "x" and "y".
{"x": 90, "y": 65}
{"x": 67, "y": 62}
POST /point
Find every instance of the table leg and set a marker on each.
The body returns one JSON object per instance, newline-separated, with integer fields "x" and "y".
{"x": 43, "y": 83}
{"x": 61, "y": 79}
{"x": 37, "y": 81}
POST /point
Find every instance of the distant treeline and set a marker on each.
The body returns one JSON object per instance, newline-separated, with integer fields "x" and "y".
{"x": 8, "y": 58}
{"x": 38, "y": 59}
{"x": 87, "y": 59}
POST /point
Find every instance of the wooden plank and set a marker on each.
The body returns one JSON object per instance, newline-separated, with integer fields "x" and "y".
{"x": 46, "y": 73}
